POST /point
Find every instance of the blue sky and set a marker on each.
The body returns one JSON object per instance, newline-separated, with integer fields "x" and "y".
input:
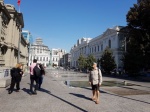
{"x": 60, "y": 23}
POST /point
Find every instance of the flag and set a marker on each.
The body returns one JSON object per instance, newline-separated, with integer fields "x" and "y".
{"x": 19, "y": 2}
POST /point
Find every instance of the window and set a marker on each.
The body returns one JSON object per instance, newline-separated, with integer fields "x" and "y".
{"x": 101, "y": 47}
{"x": 37, "y": 58}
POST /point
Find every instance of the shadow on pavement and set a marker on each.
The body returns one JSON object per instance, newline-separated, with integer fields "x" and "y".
{"x": 69, "y": 103}
{"x": 125, "y": 97}
{"x": 105, "y": 92}
{"x": 44, "y": 90}
{"x": 81, "y": 96}
{"x": 26, "y": 90}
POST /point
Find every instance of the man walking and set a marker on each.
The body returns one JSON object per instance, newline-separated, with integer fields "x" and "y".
{"x": 33, "y": 78}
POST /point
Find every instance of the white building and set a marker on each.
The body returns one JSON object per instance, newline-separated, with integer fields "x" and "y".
{"x": 56, "y": 55}
{"x": 40, "y": 52}
{"x": 82, "y": 47}
{"x": 110, "y": 38}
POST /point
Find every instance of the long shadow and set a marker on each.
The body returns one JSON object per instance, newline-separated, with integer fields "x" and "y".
{"x": 105, "y": 92}
{"x": 80, "y": 96}
{"x": 48, "y": 92}
{"x": 44, "y": 90}
{"x": 68, "y": 103}
{"x": 26, "y": 90}
{"x": 127, "y": 98}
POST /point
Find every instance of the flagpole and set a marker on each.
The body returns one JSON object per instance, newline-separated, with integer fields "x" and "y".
{"x": 19, "y": 5}
{"x": 19, "y": 8}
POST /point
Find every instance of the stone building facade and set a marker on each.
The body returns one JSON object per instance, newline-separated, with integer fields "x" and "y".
{"x": 110, "y": 38}
{"x": 13, "y": 47}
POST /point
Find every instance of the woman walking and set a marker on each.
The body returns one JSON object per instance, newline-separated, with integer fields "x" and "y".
{"x": 16, "y": 75}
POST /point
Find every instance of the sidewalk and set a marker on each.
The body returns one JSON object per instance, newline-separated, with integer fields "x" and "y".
{"x": 55, "y": 96}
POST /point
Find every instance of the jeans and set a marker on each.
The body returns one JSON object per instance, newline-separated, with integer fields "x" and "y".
{"x": 40, "y": 81}
{"x": 36, "y": 80}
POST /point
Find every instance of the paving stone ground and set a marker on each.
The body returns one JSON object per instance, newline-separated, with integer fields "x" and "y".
{"x": 55, "y": 96}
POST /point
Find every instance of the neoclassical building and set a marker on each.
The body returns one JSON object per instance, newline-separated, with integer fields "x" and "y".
{"x": 111, "y": 38}
{"x": 40, "y": 52}
{"x": 13, "y": 47}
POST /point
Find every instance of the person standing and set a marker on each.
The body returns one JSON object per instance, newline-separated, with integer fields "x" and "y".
{"x": 33, "y": 78}
{"x": 95, "y": 80}
{"x": 16, "y": 75}
{"x": 41, "y": 76}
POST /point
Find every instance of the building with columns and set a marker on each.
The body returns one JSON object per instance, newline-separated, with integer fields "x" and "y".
{"x": 13, "y": 48}
{"x": 82, "y": 47}
{"x": 40, "y": 52}
{"x": 111, "y": 38}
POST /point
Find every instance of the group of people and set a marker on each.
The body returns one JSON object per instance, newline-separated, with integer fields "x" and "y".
{"x": 16, "y": 76}
{"x": 95, "y": 79}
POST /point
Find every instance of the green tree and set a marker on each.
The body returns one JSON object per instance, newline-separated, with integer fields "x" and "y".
{"x": 107, "y": 61}
{"x": 81, "y": 62}
{"x": 138, "y": 19}
{"x": 89, "y": 62}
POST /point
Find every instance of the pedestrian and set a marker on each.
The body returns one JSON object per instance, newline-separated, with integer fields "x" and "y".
{"x": 42, "y": 75}
{"x": 95, "y": 80}
{"x": 33, "y": 77}
{"x": 16, "y": 75}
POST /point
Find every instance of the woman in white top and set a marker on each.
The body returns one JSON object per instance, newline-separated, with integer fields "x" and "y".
{"x": 95, "y": 80}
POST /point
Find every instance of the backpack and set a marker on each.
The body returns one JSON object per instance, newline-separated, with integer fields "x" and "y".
{"x": 36, "y": 71}
{"x": 14, "y": 72}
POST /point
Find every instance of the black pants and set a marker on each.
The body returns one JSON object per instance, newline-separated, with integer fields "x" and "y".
{"x": 13, "y": 83}
{"x": 40, "y": 81}
{"x": 36, "y": 80}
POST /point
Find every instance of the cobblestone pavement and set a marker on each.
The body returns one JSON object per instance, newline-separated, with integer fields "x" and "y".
{"x": 55, "y": 96}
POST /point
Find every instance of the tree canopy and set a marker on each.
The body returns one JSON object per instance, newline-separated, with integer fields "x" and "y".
{"x": 107, "y": 61}
{"x": 138, "y": 38}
